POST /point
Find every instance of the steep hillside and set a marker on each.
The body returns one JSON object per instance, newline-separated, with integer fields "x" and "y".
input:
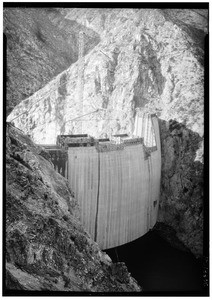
{"x": 41, "y": 43}
{"x": 149, "y": 60}
{"x": 46, "y": 246}
{"x": 144, "y": 60}
{"x": 182, "y": 184}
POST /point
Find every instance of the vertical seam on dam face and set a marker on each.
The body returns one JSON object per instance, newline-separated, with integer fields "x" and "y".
{"x": 149, "y": 193}
{"x": 97, "y": 198}
{"x": 116, "y": 205}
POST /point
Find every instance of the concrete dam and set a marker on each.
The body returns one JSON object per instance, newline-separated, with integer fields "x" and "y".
{"x": 116, "y": 180}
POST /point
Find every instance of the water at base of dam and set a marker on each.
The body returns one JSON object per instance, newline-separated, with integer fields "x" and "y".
{"x": 159, "y": 268}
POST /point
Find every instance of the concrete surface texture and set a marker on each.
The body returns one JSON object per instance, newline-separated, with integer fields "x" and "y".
{"x": 118, "y": 190}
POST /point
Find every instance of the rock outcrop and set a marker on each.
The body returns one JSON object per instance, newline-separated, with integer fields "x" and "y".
{"x": 147, "y": 59}
{"x": 182, "y": 186}
{"x": 46, "y": 245}
{"x": 41, "y": 43}
{"x": 144, "y": 60}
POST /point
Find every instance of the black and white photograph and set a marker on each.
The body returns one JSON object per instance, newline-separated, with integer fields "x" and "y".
{"x": 105, "y": 135}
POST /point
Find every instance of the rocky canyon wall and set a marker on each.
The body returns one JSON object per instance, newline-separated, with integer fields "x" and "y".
{"x": 41, "y": 43}
{"x": 142, "y": 61}
{"x": 47, "y": 248}
{"x": 182, "y": 186}
{"x": 146, "y": 59}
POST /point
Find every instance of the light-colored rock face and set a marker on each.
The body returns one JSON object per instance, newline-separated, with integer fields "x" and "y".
{"x": 143, "y": 61}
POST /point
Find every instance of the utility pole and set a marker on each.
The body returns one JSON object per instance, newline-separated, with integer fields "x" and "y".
{"x": 80, "y": 85}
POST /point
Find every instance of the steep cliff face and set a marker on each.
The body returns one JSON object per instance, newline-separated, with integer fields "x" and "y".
{"x": 41, "y": 43}
{"x": 143, "y": 60}
{"x": 46, "y": 245}
{"x": 182, "y": 187}
{"x": 147, "y": 59}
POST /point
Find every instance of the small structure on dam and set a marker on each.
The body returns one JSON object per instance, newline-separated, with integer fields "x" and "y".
{"x": 116, "y": 181}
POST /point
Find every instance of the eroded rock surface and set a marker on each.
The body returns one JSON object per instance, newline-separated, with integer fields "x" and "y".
{"x": 41, "y": 43}
{"x": 182, "y": 186}
{"x": 46, "y": 246}
{"x": 145, "y": 59}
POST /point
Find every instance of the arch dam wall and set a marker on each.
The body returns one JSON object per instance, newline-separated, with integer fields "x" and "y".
{"x": 117, "y": 185}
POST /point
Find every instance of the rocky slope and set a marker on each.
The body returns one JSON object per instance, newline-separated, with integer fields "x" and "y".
{"x": 46, "y": 246}
{"x": 147, "y": 59}
{"x": 41, "y": 43}
{"x": 182, "y": 185}
{"x": 144, "y": 60}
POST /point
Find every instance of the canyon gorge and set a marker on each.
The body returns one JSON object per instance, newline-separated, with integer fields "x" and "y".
{"x": 134, "y": 60}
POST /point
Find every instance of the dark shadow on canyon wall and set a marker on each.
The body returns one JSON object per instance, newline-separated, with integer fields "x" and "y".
{"x": 183, "y": 203}
{"x": 41, "y": 43}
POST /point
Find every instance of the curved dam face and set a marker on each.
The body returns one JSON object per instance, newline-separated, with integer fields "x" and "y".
{"x": 118, "y": 185}
{"x": 117, "y": 181}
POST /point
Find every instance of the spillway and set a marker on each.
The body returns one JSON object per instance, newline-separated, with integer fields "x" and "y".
{"x": 117, "y": 184}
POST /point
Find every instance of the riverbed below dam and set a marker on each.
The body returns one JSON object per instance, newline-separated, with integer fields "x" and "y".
{"x": 159, "y": 268}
